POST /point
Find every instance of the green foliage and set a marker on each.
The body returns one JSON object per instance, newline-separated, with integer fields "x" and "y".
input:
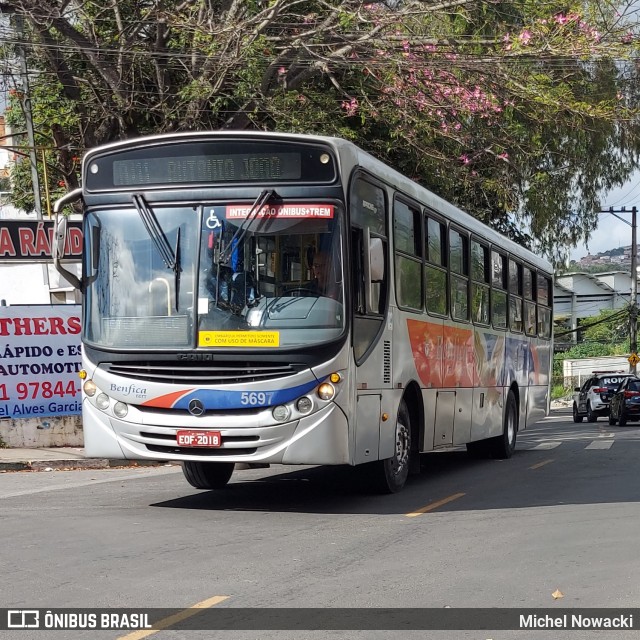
{"x": 516, "y": 111}
{"x": 607, "y": 326}
{"x": 588, "y": 350}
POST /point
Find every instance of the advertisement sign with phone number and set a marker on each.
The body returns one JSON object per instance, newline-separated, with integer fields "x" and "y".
{"x": 40, "y": 361}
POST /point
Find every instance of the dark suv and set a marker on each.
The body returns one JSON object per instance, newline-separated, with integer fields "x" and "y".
{"x": 592, "y": 398}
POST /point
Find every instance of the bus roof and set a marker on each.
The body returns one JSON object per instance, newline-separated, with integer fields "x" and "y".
{"x": 358, "y": 157}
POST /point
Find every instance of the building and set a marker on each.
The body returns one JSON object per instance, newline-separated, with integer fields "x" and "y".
{"x": 582, "y": 295}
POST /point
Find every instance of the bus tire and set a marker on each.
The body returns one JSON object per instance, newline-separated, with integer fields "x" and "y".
{"x": 207, "y": 475}
{"x": 503, "y": 446}
{"x": 390, "y": 475}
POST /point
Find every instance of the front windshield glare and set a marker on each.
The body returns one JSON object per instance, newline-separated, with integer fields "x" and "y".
{"x": 133, "y": 298}
{"x": 280, "y": 272}
{"x": 277, "y": 273}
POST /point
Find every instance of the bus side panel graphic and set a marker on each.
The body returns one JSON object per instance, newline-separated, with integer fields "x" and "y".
{"x": 453, "y": 357}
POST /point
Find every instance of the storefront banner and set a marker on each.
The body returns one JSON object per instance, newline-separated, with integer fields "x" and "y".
{"x": 31, "y": 241}
{"x": 39, "y": 361}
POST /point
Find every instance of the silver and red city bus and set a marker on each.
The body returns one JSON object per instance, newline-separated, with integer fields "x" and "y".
{"x": 281, "y": 298}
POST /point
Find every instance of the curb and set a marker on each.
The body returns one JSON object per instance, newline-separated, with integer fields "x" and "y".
{"x": 74, "y": 463}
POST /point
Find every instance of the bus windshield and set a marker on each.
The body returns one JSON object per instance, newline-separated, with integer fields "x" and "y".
{"x": 203, "y": 270}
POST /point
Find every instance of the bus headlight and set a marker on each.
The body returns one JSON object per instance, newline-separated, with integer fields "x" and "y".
{"x": 326, "y": 391}
{"x": 90, "y": 388}
{"x": 102, "y": 401}
{"x": 120, "y": 409}
{"x": 281, "y": 413}
{"x": 304, "y": 404}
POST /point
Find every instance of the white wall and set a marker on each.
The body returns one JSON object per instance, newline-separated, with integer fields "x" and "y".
{"x": 24, "y": 284}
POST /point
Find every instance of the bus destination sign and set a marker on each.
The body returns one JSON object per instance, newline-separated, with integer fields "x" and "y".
{"x": 217, "y": 168}
{"x": 208, "y": 164}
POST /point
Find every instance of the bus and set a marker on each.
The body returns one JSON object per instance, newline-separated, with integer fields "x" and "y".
{"x": 274, "y": 298}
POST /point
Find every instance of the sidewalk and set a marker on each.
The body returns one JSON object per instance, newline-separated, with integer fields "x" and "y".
{"x": 61, "y": 458}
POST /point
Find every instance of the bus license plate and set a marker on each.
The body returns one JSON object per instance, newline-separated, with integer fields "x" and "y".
{"x": 199, "y": 438}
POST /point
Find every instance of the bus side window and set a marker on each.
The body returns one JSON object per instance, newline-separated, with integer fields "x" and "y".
{"x": 408, "y": 255}
{"x": 436, "y": 267}
{"x": 515, "y": 296}
{"x": 498, "y": 290}
{"x": 480, "y": 283}
{"x": 459, "y": 280}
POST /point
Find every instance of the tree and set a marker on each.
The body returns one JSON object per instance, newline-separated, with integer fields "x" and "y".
{"x": 519, "y": 111}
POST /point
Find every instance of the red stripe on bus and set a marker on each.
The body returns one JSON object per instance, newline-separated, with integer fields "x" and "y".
{"x": 167, "y": 401}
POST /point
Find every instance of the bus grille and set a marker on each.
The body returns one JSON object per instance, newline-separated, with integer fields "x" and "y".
{"x": 200, "y": 451}
{"x": 199, "y": 373}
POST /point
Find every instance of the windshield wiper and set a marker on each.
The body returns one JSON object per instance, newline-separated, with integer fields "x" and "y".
{"x": 259, "y": 202}
{"x": 157, "y": 235}
{"x": 176, "y": 268}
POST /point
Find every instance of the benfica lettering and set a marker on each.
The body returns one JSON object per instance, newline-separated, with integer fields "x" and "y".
{"x": 29, "y": 240}
{"x": 283, "y": 211}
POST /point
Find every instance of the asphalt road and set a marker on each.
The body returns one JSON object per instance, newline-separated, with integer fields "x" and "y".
{"x": 561, "y": 517}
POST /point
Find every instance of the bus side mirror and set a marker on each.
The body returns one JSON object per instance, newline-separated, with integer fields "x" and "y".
{"x": 59, "y": 238}
{"x": 376, "y": 260}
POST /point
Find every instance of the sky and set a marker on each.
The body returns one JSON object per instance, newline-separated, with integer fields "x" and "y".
{"x": 612, "y": 232}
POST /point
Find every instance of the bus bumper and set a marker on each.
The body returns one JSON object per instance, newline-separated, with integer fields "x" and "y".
{"x": 319, "y": 438}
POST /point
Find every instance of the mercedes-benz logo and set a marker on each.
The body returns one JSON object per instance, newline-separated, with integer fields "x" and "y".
{"x": 196, "y": 408}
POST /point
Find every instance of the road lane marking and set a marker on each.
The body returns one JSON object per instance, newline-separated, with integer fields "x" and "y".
{"x": 434, "y": 505}
{"x": 176, "y": 617}
{"x": 545, "y": 446}
{"x": 600, "y": 444}
{"x": 541, "y": 464}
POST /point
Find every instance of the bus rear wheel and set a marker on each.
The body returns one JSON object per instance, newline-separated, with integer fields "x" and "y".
{"x": 390, "y": 475}
{"x": 503, "y": 446}
{"x": 207, "y": 475}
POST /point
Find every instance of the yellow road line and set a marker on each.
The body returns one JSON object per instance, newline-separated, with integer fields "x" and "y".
{"x": 541, "y": 464}
{"x": 434, "y": 505}
{"x": 177, "y": 617}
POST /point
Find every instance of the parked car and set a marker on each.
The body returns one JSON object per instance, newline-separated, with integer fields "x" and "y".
{"x": 592, "y": 398}
{"x": 625, "y": 402}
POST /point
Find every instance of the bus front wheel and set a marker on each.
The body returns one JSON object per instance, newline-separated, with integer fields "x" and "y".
{"x": 390, "y": 475}
{"x": 207, "y": 475}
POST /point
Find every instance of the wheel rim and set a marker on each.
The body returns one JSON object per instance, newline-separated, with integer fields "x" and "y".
{"x": 401, "y": 459}
{"x": 511, "y": 427}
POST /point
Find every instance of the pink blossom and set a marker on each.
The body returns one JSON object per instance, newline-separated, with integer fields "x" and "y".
{"x": 503, "y": 156}
{"x": 351, "y": 107}
{"x": 282, "y": 71}
{"x": 524, "y": 37}
{"x": 464, "y": 158}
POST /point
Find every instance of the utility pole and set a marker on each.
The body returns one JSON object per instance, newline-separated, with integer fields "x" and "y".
{"x": 633, "y": 302}
{"x": 26, "y": 107}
